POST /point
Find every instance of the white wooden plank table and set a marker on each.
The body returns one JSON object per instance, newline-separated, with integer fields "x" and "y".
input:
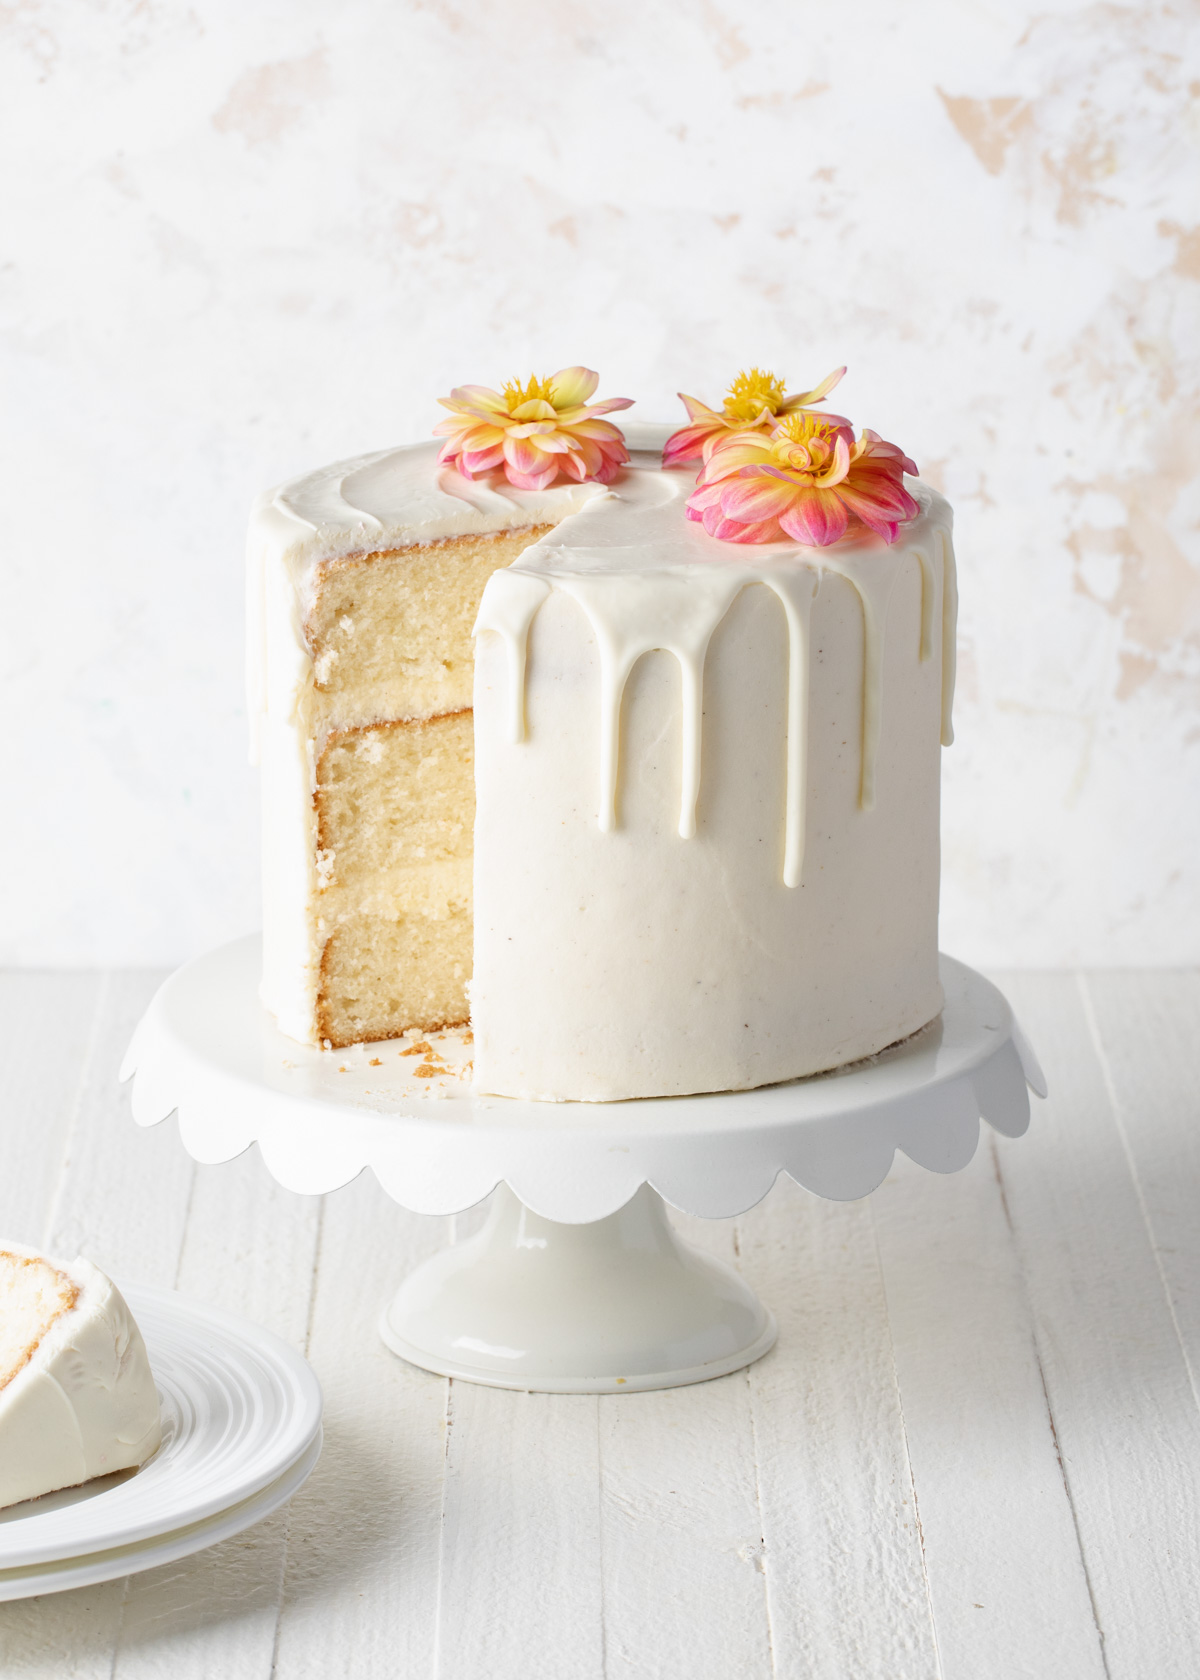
{"x": 973, "y": 1455}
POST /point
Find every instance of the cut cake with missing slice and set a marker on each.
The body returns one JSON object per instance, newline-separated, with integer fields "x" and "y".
{"x": 672, "y": 824}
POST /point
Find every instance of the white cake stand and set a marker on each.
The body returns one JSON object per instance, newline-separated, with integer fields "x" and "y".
{"x": 577, "y": 1282}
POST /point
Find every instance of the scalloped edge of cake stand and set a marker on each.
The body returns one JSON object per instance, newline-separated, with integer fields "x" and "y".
{"x": 207, "y": 1050}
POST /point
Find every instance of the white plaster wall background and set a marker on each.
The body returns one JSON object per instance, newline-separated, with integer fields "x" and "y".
{"x": 241, "y": 239}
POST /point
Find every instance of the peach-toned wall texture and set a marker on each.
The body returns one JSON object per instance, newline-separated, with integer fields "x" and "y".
{"x": 243, "y": 237}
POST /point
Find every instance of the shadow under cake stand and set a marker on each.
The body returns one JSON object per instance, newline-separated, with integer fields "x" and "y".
{"x": 577, "y": 1282}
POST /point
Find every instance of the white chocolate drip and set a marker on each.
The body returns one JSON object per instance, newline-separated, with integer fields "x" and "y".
{"x": 874, "y": 583}
{"x": 674, "y": 612}
{"x": 510, "y": 617}
{"x": 797, "y": 598}
{"x": 949, "y": 635}
{"x": 668, "y": 589}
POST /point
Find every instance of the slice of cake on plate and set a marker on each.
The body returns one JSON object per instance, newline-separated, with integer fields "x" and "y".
{"x": 77, "y": 1398}
{"x": 670, "y": 825}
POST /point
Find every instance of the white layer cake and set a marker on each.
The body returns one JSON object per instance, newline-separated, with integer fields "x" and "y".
{"x": 677, "y": 829}
{"x": 77, "y": 1398}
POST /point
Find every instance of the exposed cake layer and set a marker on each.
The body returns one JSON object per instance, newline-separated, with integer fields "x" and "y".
{"x": 390, "y": 634}
{"x": 363, "y": 584}
{"x": 395, "y": 807}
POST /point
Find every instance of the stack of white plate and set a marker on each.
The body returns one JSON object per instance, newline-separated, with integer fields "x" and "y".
{"x": 241, "y": 1431}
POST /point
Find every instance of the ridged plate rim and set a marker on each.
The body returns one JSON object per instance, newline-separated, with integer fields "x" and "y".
{"x": 64, "y": 1573}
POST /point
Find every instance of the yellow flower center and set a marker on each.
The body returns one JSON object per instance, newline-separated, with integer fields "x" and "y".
{"x": 754, "y": 394}
{"x": 803, "y": 442}
{"x": 534, "y": 390}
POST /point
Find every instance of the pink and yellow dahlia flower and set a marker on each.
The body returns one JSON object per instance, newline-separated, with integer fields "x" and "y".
{"x": 807, "y": 479}
{"x": 534, "y": 431}
{"x": 754, "y": 403}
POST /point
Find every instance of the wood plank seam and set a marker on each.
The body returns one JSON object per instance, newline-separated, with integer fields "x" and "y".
{"x": 1041, "y": 1371}
{"x": 447, "y": 1428}
{"x": 1101, "y": 1640}
{"x": 287, "y": 1510}
{"x": 187, "y": 1220}
{"x": 1118, "y": 1114}
{"x": 81, "y": 1084}
{"x": 908, "y": 1465}
{"x": 764, "y": 1560}
{"x": 600, "y": 1545}
{"x": 93, "y": 1050}
{"x": 316, "y": 1267}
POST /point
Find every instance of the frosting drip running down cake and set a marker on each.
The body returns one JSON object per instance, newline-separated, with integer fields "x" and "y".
{"x": 671, "y": 825}
{"x": 77, "y": 1399}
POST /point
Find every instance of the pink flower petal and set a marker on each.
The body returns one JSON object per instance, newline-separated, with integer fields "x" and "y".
{"x": 730, "y": 530}
{"x": 522, "y": 457}
{"x": 817, "y": 517}
{"x": 741, "y": 449}
{"x": 536, "y": 409}
{"x": 696, "y": 410}
{"x": 706, "y": 496}
{"x": 588, "y": 457}
{"x": 531, "y": 480}
{"x": 685, "y": 444}
{"x": 837, "y": 466}
{"x": 483, "y": 460}
{"x": 818, "y": 391}
{"x": 477, "y": 397}
{"x": 601, "y": 430}
{"x": 751, "y": 500}
{"x": 611, "y": 406}
{"x": 572, "y": 386}
{"x": 530, "y": 428}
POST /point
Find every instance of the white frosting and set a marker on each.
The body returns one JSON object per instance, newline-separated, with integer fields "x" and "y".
{"x": 793, "y": 882}
{"x": 84, "y": 1404}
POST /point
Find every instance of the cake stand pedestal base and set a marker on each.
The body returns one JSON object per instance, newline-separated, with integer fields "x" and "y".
{"x": 614, "y": 1305}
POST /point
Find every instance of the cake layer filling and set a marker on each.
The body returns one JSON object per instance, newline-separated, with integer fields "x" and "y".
{"x": 390, "y": 633}
{"x": 395, "y": 806}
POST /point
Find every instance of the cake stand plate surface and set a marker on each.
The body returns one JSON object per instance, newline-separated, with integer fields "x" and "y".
{"x": 241, "y": 1416}
{"x": 577, "y": 1282}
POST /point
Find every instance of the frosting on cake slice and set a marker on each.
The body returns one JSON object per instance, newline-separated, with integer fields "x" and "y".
{"x": 77, "y": 1398}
